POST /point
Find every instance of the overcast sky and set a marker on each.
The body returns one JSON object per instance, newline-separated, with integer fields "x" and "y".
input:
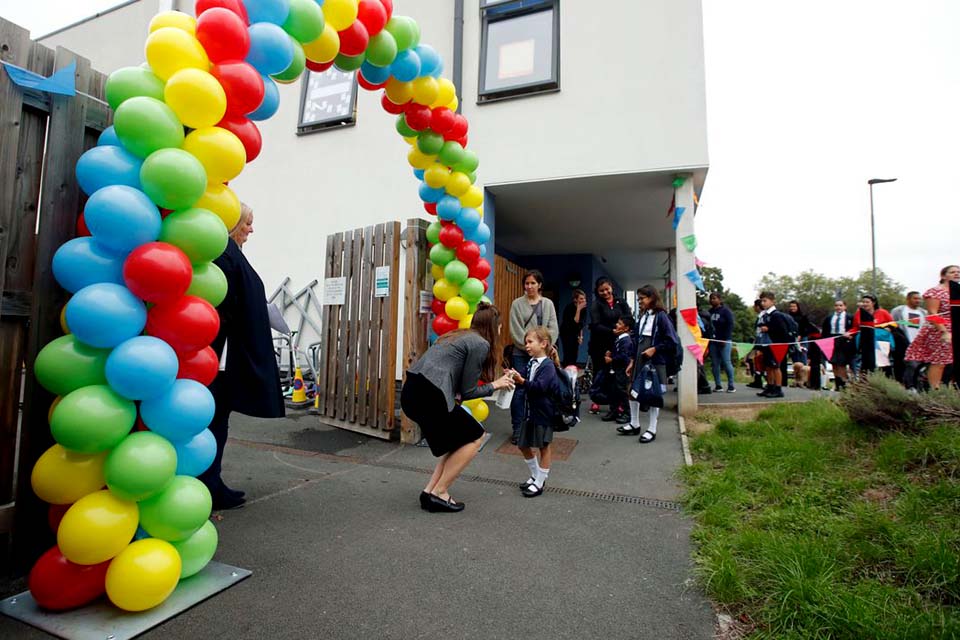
{"x": 805, "y": 102}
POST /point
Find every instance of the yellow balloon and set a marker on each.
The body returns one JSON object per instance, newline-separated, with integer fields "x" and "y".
{"x": 479, "y": 409}
{"x": 56, "y": 401}
{"x": 436, "y": 271}
{"x": 63, "y": 320}
{"x": 398, "y": 92}
{"x": 436, "y": 175}
{"x": 410, "y": 139}
{"x": 221, "y": 200}
{"x": 473, "y": 198}
{"x": 444, "y": 290}
{"x": 63, "y": 477}
{"x": 419, "y": 160}
{"x": 480, "y": 211}
{"x": 457, "y": 308}
{"x": 466, "y": 322}
{"x": 170, "y": 49}
{"x": 445, "y": 93}
{"x": 458, "y": 184}
{"x": 175, "y": 19}
{"x": 143, "y": 575}
{"x": 340, "y": 14}
{"x": 325, "y": 48}
{"x": 196, "y": 97}
{"x": 453, "y": 104}
{"x": 219, "y": 151}
{"x": 97, "y": 527}
{"x": 425, "y": 90}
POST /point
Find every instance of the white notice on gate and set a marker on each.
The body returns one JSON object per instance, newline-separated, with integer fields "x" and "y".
{"x": 334, "y": 290}
{"x": 381, "y": 287}
{"x": 426, "y": 300}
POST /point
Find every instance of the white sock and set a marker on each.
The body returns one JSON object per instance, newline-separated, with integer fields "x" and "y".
{"x": 634, "y": 413}
{"x": 541, "y": 477}
{"x": 654, "y": 414}
{"x": 532, "y": 465}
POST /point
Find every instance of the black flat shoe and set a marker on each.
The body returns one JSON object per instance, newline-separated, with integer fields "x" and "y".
{"x": 647, "y": 436}
{"x": 532, "y": 491}
{"x": 225, "y": 501}
{"x": 236, "y": 493}
{"x": 609, "y": 417}
{"x": 436, "y": 504}
{"x": 424, "y": 500}
{"x": 628, "y": 430}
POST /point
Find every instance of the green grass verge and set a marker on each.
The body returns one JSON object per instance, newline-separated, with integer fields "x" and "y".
{"x": 813, "y": 527}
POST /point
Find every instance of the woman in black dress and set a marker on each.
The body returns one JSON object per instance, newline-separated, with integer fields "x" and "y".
{"x": 571, "y": 327}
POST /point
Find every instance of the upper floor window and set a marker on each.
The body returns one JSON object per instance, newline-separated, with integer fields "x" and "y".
{"x": 327, "y": 100}
{"x": 519, "y": 48}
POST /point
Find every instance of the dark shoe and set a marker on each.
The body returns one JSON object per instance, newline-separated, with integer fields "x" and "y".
{"x": 731, "y": 390}
{"x": 225, "y": 501}
{"x": 528, "y": 483}
{"x": 647, "y": 436}
{"x": 775, "y": 392}
{"x": 532, "y": 491}
{"x": 609, "y": 416}
{"x": 628, "y": 430}
{"x": 755, "y": 385}
{"x": 234, "y": 492}
{"x": 766, "y": 391}
{"x": 424, "y": 500}
{"x": 623, "y": 418}
{"x": 514, "y": 440}
{"x": 436, "y": 504}
{"x": 718, "y": 389}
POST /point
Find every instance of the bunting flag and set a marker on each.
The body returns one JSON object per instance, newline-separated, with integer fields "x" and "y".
{"x": 677, "y": 214}
{"x": 673, "y": 203}
{"x": 63, "y": 81}
{"x": 670, "y": 285}
{"x": 743, "y": 348}
{"x": 690, "y": 242}
{"x": 700, "y": 263}
{"x": 679, "y": 182}
{"x": 779, "y": 351}
{"x": 697, "y": 352}
{"x": 694, "y": 277}
{"x": 826, "y": 346}
{"x": 689, "y": 316}
{"x": 696, "y": 200}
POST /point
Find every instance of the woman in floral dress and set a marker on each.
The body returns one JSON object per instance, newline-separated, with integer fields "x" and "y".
{"x": 932, "y": 345}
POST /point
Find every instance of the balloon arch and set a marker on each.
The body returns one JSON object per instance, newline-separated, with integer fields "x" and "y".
{"x": 131, "y": 371}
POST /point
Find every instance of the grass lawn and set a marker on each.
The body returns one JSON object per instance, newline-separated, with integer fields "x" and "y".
{"x": 810, "y": 526}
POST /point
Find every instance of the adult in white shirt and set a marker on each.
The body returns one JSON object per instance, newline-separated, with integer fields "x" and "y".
{"x": 910, "y": 317}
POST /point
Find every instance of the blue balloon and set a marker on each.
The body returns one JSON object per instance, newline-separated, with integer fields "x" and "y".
{"x": 105, "y": 314}
{"x": 275, "y": 11}
{"x": 109, "y": 138}
{"x": 430, "y": 60}
{"x": 468, "y": 219}
{"x": 483, "y": 250}
{"x": 429, "y": 194}
{"x": 406, "y": 66}
{"x": 271, "y": 101}
{"x": 375, "y": 74}
{"x": 122, "y": 218}
{"x": 141, "y": 534}
{"x": 84, "y": 261}
{"x": 194, "y": 456}
{"x": 142, "y": 367}
{"x": 439, "y": 70}
{"x": 419, "y": 173}
{"x": 480, "y": 235}
{"x": 103, "y": 166}
{"x": 179, "y": 413}
{"x": 271, "y": 50}
{"x": 448, "y": 208}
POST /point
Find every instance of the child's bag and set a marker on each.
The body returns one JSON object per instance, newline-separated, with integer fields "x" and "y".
{"x": 566, "y": 401}
{"x": 646, "y": 387}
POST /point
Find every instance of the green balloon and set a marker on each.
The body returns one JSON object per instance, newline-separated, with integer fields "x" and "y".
{"x": 405, "y": 31}
{"x": 433, "y": 232}
{"x": 92, "y": 419}
{"x": 130, "y": 82}
{"x": 486, "y": 299}
{"x": 471, "y": 290}
{"x": 469, "y": 162}
{"x": 173, "y": 178}
{"x": 199, "y": 233}
{"x": 208, "y": 283}
{"x": 451, "y": 154}
{"x": 140, "y": 466}
{"x": 441, "y": 255}
{"x": 66, "y": 364}
{"x": 348, "y": 63}
{"x": 296, "y": 67}
{"x": 473, "y": 177}
{"x": 403, "y": 128}
{"x": 429, "y": 142}
{"x": 473, "y": 306}
{"x": 382, "y": 49}
{"x": 145, "y": 125}
{"x": 305, "y": 21}
{"x": 197, "y": 550}
{"x": 177, "y": 512}
{"x": 456, "y": 272}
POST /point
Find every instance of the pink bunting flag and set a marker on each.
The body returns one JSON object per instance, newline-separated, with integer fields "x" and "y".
{"x": 670, "y": 285}
{"x": 826, "y": 346}
{"x": 697, "y": 352}
{"x": 700, "y": 263}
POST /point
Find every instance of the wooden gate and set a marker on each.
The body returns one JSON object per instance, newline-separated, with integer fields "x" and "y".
{"x": 40, "y": 133}
{"x": 507, "y": 285}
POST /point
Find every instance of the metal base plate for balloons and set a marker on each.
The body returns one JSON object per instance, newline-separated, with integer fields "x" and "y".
{"x": 103, "y": 621}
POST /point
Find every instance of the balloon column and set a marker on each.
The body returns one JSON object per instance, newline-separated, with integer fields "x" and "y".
{"x": 130, "y": 374}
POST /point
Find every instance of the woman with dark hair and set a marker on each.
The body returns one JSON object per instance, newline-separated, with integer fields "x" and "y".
{"x": 450, "y": 370}
{"x": 933, "y": 344}
{"x": 605, "y": 310}
{"x": 571, "y": 327}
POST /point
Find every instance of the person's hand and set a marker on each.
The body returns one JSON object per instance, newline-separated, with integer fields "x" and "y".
{"x": 582, "y": 305}
{"x": 649, "y": 352}
{"x": 629, "y": 368}
{"x": 503, "y": 382}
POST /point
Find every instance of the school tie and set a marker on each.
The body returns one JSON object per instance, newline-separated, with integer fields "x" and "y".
{"x": 836, "y": 324}
{"x": 531, "y": 368}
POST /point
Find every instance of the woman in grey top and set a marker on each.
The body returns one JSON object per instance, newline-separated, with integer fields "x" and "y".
{"x": 528, "y": 312}
{"x": 452, "y": 369}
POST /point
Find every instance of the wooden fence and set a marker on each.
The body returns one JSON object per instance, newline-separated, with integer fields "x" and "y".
{"x": 507, "y": 286}
{"x": 40, "y": 135}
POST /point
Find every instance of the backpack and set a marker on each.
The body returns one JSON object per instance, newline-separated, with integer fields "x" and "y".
{"x": 673, "y": 361}
{"x": 793, "y": 329}
{"x": 567, "y": 402}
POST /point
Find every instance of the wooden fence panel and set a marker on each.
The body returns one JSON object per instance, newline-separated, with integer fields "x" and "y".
{"x": 359, "y": 295}
{"x": 330, "y": 347}
{"x": 322, "y": 377}
{"x": 367, "y": 277}
{"x": 508, "y": 285}
{"x": 388, "y": 355}
{"x": 376, "y": 330}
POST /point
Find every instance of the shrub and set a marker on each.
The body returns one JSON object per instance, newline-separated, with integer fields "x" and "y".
{"x": 881, "y": 403}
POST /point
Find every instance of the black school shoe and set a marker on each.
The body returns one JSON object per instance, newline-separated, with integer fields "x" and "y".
{"x": 532, "y": 491}
{"x": 436, "y": 504}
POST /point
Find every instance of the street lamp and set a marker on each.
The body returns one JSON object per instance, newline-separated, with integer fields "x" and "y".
{"x": 873, "y": 234}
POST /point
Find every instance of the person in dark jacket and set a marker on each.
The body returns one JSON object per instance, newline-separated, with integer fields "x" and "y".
{"x": 772, "y": 329}
{"x": 720, "y": 346}
{"x": 605, "y": 310}
{"x": 571, "y": 327}
{"x": 619, "y": 362}
{"x": 249, "y": 379}
{"x": 837, "y": 325}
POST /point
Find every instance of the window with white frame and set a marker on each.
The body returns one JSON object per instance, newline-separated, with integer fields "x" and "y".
{"x": 519, "y": 48}
{"x": 327, "y": 100}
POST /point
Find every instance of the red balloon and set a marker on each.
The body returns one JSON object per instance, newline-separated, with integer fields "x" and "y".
{"x": 479, "y": 270}
{"x": 55, "y": 514}
{"x": 373, "y": 15}
{"x": 223, "y": 35}
{"x": 58, "y": 584}
{"x": 164, "y": 213}
{"x": 438, "y": 307}
{"x": 418, "y": 117}
{"x": 459, "y": 128}
{"x": 247, "y": 131}
{"x": 233, "y": 5}
{"x": 82, "y": 230}
{"x": 451, "y": 236}
{"x": 442, "y": 119}
{"x": 392, "y": 107}
{"x": 431, "y": 208}
{"x": 243, "y": 85}
{"x": 444, "y": 324}
{"x": 468, "y": 253}
{"x": 157, "y": 272}
{"x": 354, "y": 39}
{"x": 366, "y": 84}
{"x": 462, "y": 141}
{"x": 187, "y": 324}
{"x": 140, "y": 425}
{"x": 486, "y": 285}
{"x": 201, "y": 366}
{"x": 318, "y": 67}
{"x": 388, "y": 5}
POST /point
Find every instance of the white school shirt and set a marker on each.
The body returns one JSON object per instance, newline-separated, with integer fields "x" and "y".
{"x": 647, "y": 321}
{"x": 534, "y": 365}
{"x": 838, "y": 323}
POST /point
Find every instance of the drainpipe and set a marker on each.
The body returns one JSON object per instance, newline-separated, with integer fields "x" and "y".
{"x": 458, "y": 51}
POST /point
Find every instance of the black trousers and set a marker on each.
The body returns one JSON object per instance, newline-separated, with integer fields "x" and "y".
{"x": 219, "y": 426}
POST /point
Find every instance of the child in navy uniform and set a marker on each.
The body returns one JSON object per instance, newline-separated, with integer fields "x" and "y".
{"x": 540, "y": 410}
{"x": 620, "y": 362}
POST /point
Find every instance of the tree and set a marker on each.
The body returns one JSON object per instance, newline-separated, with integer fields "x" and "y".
{"x": 744, "y": 317}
